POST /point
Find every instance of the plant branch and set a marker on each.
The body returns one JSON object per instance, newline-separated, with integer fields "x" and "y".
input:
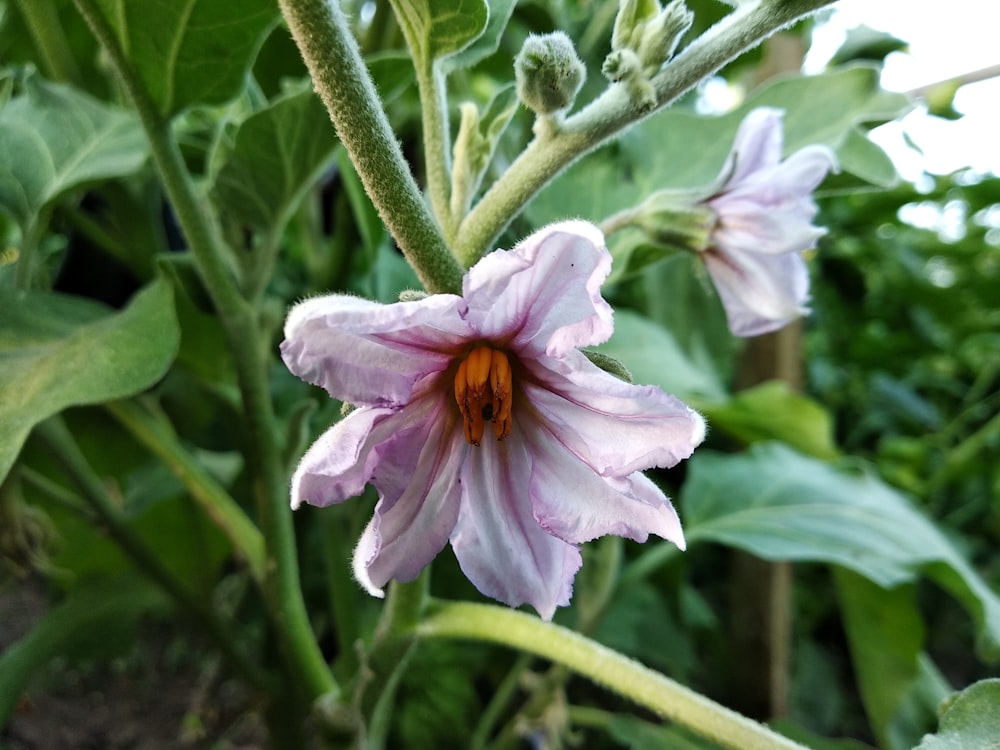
{"x": 218, "y": 504}
{"x": 615, "y": 110}
{"x": 624, "y": 676}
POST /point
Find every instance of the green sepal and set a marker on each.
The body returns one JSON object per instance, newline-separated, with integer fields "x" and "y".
{"x": 609, "y": 364}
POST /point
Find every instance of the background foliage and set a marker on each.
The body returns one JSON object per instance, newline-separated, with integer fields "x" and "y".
{"x": 128, "y": 493}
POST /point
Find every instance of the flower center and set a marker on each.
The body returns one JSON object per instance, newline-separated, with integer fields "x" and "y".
{"x": 483, "y": 388}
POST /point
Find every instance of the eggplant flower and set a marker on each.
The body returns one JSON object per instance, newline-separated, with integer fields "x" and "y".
{"x": 764, "y": 211}
{"x": 480, "y": 422}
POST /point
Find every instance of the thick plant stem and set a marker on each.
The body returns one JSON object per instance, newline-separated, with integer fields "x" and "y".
{"x": 342, "y": 81}
{"x": 624, "y": 676}
{"x": 282, "y": 590}
{"x": 610, "y": 114}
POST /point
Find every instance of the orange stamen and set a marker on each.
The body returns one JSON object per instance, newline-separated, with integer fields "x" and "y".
{"x": 484, "y": 386}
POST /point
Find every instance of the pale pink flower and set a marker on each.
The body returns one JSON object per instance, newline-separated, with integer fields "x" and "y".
{"x": 764, "y": 211}
{"x": 481, "y": 423}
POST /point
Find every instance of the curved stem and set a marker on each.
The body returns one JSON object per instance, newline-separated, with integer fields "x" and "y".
{"x": 624, "y": 676}
{"x": 610, "y": 114}
{"x": 218, "y": 505}
{"x": 339, "y": 75}
{"x": 283, "y": 593}
{"x": 42, "y": 20}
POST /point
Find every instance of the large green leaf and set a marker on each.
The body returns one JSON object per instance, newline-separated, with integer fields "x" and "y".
{"x": 885, "y": 632}
{"x": 58, "y": 351}
{"x": 190, "y": 52}
{"x": 437, "y": 28}
{"x": 279, "y": 153}
{"x": 781, "y": 505}
{"x": 54, "y": 138}
{"x": 680, "y": 149}
{"x": 970, "y": 721}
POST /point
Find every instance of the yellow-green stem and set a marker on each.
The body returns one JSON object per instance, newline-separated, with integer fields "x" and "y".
{"x": 627, "y": 677}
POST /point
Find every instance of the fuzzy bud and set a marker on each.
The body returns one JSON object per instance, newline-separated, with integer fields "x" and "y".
{"x": 548, "y": 73}
{"x": 675, "y": 220}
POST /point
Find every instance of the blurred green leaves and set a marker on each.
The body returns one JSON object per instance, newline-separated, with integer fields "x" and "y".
{"x": 190, "y": 52}
{"x": 54, "y": 138}
{"x": 278, "y": 154}
{"x": 437, "y": 28}
{"x": 58, "y": 351}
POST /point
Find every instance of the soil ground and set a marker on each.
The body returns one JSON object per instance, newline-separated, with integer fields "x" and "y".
{"x": 161, "y": 695}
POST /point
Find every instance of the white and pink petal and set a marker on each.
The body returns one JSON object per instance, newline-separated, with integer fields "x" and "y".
{"x": 615, "y": 427}
{"x": 368, "y": 353}
{"x": 576, "y": 505}
{"x": 543, "y": 297}
{"x": 497, "y": 541}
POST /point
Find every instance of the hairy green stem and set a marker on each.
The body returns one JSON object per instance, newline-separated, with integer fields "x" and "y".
{"x": 217, "y": 504}
{"x": 609, "y": 115}
{"x": 283, "y": 593}
{"x": 342, "y": 81}
{"x": 390, "y": 651}
{"x": 59, "y": 440}
{"x": 437, "y": 159}
{"x": 629, "y": 678}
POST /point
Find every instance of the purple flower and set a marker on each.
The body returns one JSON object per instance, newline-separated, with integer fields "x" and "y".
{"x": 481, "y": 423}
{"x": 764, "y": 212}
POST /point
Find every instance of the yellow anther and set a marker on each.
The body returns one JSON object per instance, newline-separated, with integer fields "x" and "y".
{"x": 484, "y": 386}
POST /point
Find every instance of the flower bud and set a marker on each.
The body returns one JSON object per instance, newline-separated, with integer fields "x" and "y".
{"x": 669, "y": 218}
{"x": 548, "y": 73}
{"x": 661, "y": 35}
{"x": 650, "y": 32}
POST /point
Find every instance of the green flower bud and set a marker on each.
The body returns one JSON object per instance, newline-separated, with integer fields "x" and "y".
{"x": 662, "y": 34}
{"x": 548, "y": 73}
{"x": 650, "y": 32}
{"x": 676, "y": 220}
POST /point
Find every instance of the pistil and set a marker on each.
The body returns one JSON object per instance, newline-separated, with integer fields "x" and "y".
{"x": 483, "y": 389}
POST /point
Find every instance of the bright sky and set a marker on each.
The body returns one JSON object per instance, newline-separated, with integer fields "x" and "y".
{"x": 947, "y": 39}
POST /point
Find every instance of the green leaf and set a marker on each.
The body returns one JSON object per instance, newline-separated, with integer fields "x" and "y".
{"x": 653, "y": 357}
{"x": 58, "y": 351}
{"x": 773, "y": 411}
{"x": 106, "y": 607}
{"x": 886, "y": 636}
{"x": 54, "y": 138}
{"x": 280, "y": 152}
{"x": 437, "y": 28}
{"x": 970, "y": 721}
{"x": 189, "y": 52}
{"x": 487, "y": 42}
{"x": 781, "y": 505}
